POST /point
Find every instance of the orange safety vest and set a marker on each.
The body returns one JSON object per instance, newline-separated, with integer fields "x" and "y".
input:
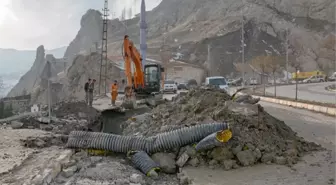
{"x": 114, "y": 88}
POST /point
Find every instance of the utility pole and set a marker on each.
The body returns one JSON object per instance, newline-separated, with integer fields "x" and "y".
{"x": 143, "y": 33}
{"x": 209, "y": 60}
{"x": 243, "y": 49}
{"x": 103, "y": 61}
{"x": 286, "y": 44}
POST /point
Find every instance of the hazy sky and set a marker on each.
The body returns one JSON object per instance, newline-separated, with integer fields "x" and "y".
{"x": 26, "y": 24}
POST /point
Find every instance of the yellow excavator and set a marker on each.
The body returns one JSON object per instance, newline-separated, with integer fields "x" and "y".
{"x": 143, "y": 85}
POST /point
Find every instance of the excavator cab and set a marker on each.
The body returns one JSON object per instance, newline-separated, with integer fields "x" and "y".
{"x": 153, "y": 78}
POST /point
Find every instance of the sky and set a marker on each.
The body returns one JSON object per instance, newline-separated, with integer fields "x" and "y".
{"x": 26, "y": 24}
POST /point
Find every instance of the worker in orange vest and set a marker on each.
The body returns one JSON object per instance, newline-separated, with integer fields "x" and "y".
{"x": 114, "y": 92}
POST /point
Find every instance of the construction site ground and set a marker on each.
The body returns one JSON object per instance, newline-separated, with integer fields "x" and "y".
{"x": 21, "y": 165}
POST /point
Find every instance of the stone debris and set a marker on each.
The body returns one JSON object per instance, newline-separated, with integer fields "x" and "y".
{"x": 106, "y": 170}
{"x": 257, "y": 136}
{"x": 67, "y": 116}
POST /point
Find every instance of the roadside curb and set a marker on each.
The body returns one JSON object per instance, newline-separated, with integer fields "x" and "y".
{"x": 50, "y": 173}
{"x": 316, "y": 108}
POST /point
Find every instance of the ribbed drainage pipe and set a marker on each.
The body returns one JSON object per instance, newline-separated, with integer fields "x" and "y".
{"x": 144, "y": 163}
{"x": 208, "y": 142}
{"x": 160, "y": 142}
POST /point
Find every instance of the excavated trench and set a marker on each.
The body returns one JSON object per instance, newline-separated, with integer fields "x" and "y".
{"x": 112, "y": 120}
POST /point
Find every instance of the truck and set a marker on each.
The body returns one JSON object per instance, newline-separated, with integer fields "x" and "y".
{"x": 304, "y": 75}
{"x": 218, "y": 81}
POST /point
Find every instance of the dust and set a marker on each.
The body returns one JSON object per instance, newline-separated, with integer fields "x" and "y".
{"x": 258, "y": 137}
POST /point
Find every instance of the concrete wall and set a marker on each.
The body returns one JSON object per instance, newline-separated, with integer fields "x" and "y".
{"x": 19, "y": 103}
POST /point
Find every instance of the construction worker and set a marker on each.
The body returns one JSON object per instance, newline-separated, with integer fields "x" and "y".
{"x": 114, "y": 92}
{"x": 91, "y": 88}
{"x": 86, "y": 89}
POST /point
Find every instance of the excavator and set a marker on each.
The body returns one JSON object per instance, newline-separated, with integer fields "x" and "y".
{"x": 144, "y": 84}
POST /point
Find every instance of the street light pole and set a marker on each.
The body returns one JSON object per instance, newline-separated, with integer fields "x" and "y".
{"x": 287, "y": 78}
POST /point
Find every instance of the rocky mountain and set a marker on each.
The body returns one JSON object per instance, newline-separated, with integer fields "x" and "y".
{"x": 12, "y": 61}
{"x": 195, "y": 28}
{"x": 15, "y": 63}
{"x": 190, "y": 25}
{"x": 32, "y": 78}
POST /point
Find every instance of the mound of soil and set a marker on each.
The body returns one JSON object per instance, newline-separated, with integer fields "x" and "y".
{"x": 258, "y": 137}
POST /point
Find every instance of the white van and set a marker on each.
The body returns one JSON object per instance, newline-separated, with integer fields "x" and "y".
{"x": 219, "y": 81}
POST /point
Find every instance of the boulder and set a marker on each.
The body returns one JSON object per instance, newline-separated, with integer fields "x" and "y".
{"x": 166, "y": 161}
{"x": 16, "y": 125}
{"x": 246, "y": 157}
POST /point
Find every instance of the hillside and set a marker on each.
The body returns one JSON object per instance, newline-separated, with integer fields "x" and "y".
{"x": 188, "y": 24}
{"x": 32, "y": 78}
{"x": 15, "y": 63}
{"x": 12, "y": 61}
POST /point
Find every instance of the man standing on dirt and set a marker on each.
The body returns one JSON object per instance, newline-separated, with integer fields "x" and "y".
{"x": 114, "y": 92}
{"x": 91, "y": 88}
{"x": 86, "y": 89}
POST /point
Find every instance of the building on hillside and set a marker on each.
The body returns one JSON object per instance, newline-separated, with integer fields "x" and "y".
{"x": 182, "y": 72}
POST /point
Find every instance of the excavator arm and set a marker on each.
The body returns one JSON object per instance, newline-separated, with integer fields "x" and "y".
{"x": 131, "y": 54}
{"x": 145, "y": 89}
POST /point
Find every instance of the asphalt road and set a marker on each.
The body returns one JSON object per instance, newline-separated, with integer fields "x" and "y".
{"x": 311, "y": 92}
{"x": 315, "y": 169}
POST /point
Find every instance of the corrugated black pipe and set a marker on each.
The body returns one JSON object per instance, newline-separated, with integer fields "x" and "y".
{"x": 160, "y": 142}
{"x": 144, "y": 163}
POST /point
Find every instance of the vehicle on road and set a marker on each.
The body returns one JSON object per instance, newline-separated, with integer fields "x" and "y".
{"x": 304, "y": 75}
{"x": 314, "y": 79}
{"x": 253, "y": 81}
{"x": 237, "y": 82}
{"x": 218, "y": 81}
{"x": 170, "y": 86}
{"x": 182, "y": 86}
{"x": 332, "y": 77}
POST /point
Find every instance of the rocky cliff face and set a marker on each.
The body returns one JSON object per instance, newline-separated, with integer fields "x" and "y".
{"x": 89, "y": 33}
{"x": 33, "y": 78}
{"x": 29, "y": 80}
{"x": 83, "y": 68}
{"x": 188, "y": 24}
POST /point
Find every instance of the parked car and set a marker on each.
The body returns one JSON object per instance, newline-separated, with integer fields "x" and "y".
{"x": 314, "y": 79}
{"x": 170, "y": 86}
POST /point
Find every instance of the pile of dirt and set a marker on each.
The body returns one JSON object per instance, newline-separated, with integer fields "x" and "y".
{"x": 258, "y": 137}
{"x": 66, "y": 117}
{"x": 77, "y": 110}
{"x": 45, "y": 141}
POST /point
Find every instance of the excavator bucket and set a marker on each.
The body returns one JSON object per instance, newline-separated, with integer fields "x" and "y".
{"x": 129, "y": 101}
{"x": 155, "y": 99}
{"x": 129, "y": 104}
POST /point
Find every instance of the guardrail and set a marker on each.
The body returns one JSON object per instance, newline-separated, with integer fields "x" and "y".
{"x": 316, "y": 108}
